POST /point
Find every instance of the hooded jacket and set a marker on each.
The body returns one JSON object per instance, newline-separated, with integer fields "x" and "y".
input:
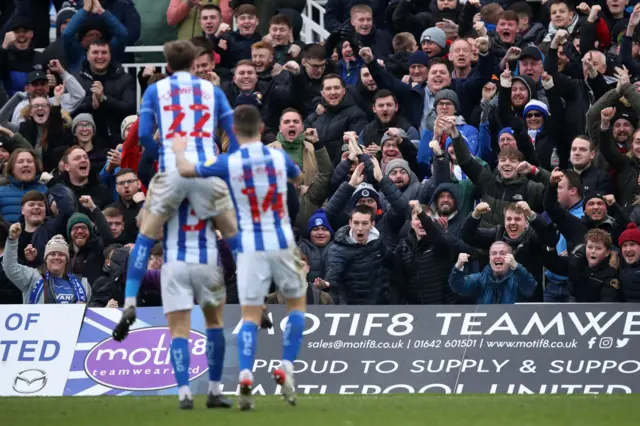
{"x": 357, "y": 273}
{"x": 455, "y": 220}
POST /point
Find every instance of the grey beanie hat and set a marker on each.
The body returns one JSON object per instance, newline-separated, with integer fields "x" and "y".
{"x": 397, "y": 163}
{"x": 449, "y": 95}
{"x": 80, "y": 118}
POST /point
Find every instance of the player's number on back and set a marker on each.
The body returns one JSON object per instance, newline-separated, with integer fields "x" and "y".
{"x": 197, "y": 128}
{"x": 272, "y": 200}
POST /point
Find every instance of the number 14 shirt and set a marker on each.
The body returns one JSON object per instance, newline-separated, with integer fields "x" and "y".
{"x": 257, "y": 178}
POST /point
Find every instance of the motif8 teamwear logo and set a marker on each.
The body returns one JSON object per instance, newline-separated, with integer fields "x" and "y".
{"x": 142, "y": 362}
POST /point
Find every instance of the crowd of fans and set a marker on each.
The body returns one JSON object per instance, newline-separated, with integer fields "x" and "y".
{"x": 453, "y": 152}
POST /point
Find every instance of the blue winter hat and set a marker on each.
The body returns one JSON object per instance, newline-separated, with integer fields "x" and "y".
{"x": 535, "y": 105}
{"x": 319, "y": 218}
{"x": 419, "y": 58}
{"x": 505, "y": 130}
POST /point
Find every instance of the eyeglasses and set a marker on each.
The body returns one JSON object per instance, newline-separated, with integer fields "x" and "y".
{"x": 534, "y": 115}
{"x": 84, "y": 126}
{"x": 40, "y": 106}
{"x": 126, "y": 182}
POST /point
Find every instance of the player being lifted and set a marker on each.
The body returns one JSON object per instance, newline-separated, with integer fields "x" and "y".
{"x": 257, "y": 178}
{"x": 179, "y": 105}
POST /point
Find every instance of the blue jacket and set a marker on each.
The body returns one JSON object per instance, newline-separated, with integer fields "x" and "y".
{"x": 74, "y": 51}
{"x": 124, "y": 11}
{"x": 513, "y": 287}
{"x": 11, "y": 197}
{"x": 350, "y": 71}
{"x": 469, "y": 134}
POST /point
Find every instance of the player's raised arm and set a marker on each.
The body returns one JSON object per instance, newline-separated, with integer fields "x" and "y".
{"x": 147, "y": 123}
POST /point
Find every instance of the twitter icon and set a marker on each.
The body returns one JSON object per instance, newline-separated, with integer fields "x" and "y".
{"x": 621, "y": 343}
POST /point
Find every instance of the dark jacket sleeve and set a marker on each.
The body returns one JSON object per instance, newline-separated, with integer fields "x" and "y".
{"x": 570, "y": 226}
{"x": 472, "y": 234}
{"x": 337, "y": 203}
{"x": 336, "y": 267}
{"x": 399, "y": 211}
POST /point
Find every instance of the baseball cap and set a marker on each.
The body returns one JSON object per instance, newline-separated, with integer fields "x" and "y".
{"x": 530, "y": 52}
{"x": 36, "y": 75}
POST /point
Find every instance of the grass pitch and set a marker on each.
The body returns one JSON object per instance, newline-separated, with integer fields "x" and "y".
{"x": 331, "y": 410}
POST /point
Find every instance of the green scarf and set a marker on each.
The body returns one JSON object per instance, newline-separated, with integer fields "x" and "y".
{"x": 294, "y": 149}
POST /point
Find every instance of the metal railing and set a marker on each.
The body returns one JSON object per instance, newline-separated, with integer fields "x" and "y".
{"x": 313, "y": 30}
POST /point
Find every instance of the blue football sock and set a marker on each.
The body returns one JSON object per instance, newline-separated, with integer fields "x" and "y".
{"x": 215, "y": 353}
{"x": 292, "y": 337}
{"x": 138, "y": 260}
{"x": 247, "y": 345}
{"x": 180, "y": 360}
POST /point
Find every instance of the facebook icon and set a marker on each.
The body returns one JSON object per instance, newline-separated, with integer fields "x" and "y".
{"x": 592, "y": 342}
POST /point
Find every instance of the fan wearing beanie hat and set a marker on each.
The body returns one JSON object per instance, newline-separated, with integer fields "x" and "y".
{"x": 433, "y": 41}
{"x": 595, "y": 206}
{"x": 629, "y": 243}
{"x": 57, "y": 244}
{"x": 365, "y": 194}
{"x": 399, "y": 172}
{"x": 80, "y": 229}
{"x": 315, "y": 247}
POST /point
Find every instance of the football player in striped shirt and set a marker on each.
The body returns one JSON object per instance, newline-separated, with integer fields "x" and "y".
{"x": 257, "y": 177}
{"x": 191, "y": 269}
{"x": 188, "y": 106}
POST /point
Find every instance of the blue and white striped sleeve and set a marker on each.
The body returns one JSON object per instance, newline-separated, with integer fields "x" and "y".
{"x": 293, "y": 171}
{"x": 218, "y": 167}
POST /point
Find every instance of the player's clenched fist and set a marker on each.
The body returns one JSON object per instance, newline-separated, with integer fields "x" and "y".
{"x": 463, "y": 258}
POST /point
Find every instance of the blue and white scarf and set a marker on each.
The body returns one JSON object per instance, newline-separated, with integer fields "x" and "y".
{"x": 36, "y": 293}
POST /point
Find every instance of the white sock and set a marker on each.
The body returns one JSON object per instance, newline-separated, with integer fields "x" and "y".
{"x": 246, "y": 374}
{"x": 287, "y": 366}
{"x": 214, "y": 387}
{"x": 130, "y": 301}
{"x": 184, "y": 392}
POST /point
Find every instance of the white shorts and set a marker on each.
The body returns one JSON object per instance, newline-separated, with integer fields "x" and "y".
{"x": 209, "y": 197}
{"x": 181, "y": 282}
{"x": 256, "y": 271}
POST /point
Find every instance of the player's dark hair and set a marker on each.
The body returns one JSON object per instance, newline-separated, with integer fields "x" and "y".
{"x": 364, "y": 209}
{"x": 247, "y": 121}
{"x": 180, "y": 55}
{"x": 384, "y": 93}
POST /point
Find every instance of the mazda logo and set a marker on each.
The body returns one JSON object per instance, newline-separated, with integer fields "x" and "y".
{"x": 30, "y": 381}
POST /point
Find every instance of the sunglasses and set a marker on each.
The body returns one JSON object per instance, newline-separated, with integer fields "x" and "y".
{"x": 534, "y": 115}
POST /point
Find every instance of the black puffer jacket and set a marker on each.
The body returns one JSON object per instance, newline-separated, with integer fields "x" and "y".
{"x": 120, "y": 90}
{"x": 421, "y": 272}
{"x": 317, "y": 258}
{"x": 346, "y": 116}
{"x": 630, "y": 282}
{"x": 358, "y": 274}
{"x": 94, "y": 188}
